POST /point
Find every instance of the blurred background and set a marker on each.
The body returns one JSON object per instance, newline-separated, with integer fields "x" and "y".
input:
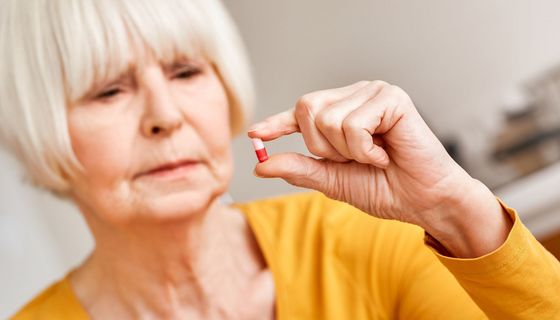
{"x": 484, "y": 74}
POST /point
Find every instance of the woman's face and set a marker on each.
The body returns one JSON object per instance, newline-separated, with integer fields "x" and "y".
{"x": 154, "y": 143}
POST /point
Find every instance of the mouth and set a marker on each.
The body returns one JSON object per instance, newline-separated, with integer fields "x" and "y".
{"x": 171, "y": 170}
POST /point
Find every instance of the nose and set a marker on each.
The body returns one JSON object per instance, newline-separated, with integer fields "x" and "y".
{"x": 162, "y": 114}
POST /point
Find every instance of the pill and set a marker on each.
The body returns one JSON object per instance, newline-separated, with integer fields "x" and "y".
{"x": 260, "y": 149}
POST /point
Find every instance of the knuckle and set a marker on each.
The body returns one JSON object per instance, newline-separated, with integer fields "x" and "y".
{"x": 389, "y": 97}
{"x": 327, "y": 121}
{"x": 398, "y": 98}
{"x": 309, "y": 102}
{"x": 351, "y": 123}
{"x": 301, "y": 113}
{"x": 362, "y": 83}
{"x": 398, "y": 92}
{"x": 379, "y": 83}
{"x": 394, "y": 90}
{"x": 307, "y": 107}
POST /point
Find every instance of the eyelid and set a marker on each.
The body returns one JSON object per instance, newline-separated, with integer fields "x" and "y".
{"x": 185, "y": 68}
{"x": 123, "y": 80}
{"x": 100, "y": 94}
{"x": 184, "y": 65}
{"x": 185, "y": 73}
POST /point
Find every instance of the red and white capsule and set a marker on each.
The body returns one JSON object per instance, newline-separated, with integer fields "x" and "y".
{"x": 260, "y": 150}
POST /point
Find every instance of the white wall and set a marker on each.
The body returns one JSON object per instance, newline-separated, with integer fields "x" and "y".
{"x": 456, "y": 59}
{"x": 40, "y": 238}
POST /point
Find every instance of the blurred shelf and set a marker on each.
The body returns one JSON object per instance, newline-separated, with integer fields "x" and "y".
{"x": 536, "y": 197}
{"x": 527, "y": 144}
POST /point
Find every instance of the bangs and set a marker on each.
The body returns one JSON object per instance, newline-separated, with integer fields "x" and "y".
{"x": 99, "y": 40}
{"x": 54, "y": 52}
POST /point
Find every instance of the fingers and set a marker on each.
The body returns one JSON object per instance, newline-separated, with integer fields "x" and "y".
{"x": 342, "y": 124}
{"x": 315, "y": 141}
{"x": 329, "y": 120}
{"x": 377, "y": 116}
{"x": 302, "y": 119}
{"x": 285, "y": 123}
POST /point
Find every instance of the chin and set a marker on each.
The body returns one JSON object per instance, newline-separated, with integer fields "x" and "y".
{"x": 181, "y": 205}
{"x": 164, "y": 201}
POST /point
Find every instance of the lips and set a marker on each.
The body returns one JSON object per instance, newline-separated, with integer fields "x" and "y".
{"x": 169, "y": 168}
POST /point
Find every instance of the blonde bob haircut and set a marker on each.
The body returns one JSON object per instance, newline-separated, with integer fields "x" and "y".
{"x": 53, "y": 51}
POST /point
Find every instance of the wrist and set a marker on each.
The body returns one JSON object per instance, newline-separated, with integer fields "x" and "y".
{"x": 470, "y": 222}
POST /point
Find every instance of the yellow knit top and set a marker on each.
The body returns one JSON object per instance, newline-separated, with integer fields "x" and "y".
{"x": 331, "y": 261}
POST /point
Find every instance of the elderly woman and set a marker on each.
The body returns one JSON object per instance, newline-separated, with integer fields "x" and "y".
{"x": 128, "y": 108}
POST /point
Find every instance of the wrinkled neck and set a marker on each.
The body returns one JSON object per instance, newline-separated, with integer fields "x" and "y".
{"x": 172, "y": 267}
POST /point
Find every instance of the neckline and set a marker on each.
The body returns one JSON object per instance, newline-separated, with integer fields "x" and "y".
{"x": 269, "y": 253}
{"x": 70, "y": 293}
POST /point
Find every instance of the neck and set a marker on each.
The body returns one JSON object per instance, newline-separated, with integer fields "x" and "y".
{"x": 170, "y": 268}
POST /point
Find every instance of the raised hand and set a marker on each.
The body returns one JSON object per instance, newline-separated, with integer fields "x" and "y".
{"x": 375, "y": 152}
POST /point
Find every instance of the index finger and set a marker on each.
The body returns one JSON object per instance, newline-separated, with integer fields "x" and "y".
{"x": 285, "y": 123}
{"x": 281, "y": 124}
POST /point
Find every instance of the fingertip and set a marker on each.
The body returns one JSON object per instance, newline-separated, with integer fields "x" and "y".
{"x": 264, "y": 169}
{"x": 265, "y": 134}
{"x": 275, "y": 166}
{"x": 253, "y": 134}
{"x": 256, "y": 172}
{"x": 257, "y": 126}
{"x": 257, "y": 130}
{"x": 275, "y": 126}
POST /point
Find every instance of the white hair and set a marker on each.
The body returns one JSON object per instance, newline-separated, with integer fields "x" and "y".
{"x": 52, "y": 52}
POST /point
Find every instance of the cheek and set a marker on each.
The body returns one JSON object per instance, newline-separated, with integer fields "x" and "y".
{"x": 214, "y": 127}
{"x": 212, "y": 119}
{"x": 99, "y": 142}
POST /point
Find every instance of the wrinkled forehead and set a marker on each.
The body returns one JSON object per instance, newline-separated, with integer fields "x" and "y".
{"x": 100, "y": 39}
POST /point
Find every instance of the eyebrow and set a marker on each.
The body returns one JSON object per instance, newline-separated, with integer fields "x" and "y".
{"x": 132, "y": 68}
{"x": 106, "y": 81}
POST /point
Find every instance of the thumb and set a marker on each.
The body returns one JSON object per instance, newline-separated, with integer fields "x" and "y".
{"x": 297, "y": 169}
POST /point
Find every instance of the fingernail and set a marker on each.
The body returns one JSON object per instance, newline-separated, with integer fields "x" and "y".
{"x": 256, "y": 127}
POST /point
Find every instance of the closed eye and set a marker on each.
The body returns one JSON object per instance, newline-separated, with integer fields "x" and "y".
{"x": 108, "y": 93}
{"x": 186, "y": 72}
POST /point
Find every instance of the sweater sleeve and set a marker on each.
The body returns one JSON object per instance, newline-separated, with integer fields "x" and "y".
{"x": 519, "y": 280}
{"x": 427, "y": 290}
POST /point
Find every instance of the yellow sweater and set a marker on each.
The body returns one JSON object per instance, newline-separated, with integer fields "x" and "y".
{"x": 332, "y": 261}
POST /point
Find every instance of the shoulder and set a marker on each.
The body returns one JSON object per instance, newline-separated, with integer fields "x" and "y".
{"x": 56, "y": 302}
